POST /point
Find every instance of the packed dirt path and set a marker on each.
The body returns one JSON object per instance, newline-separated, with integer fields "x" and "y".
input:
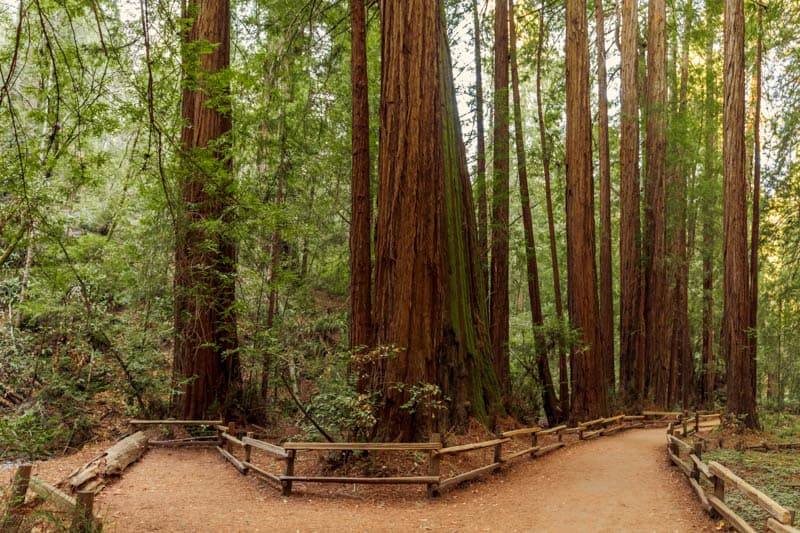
{"x": 617, "y": 483}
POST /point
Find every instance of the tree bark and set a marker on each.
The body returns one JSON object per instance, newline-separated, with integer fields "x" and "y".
{"x": 606, "y": 289}
{"x": 631, "y": 334}
{"x": 480, "y": 175}
{"x": 589, "y": 398}
{"x": 206, "y": 341}
{"x": 657, "y": 332}
{"x": 498, "y": 317}
{"x": 361, "y": 196}
{"x": 429, "y": 295}
{"x": 736, "y": 312}
{"x": 550, "y": 401}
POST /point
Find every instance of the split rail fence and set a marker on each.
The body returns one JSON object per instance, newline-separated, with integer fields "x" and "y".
{"x": 688, "y": 458}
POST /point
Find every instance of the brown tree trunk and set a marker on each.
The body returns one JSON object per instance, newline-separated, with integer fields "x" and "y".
{"x": 498, "y": 314}
{"x": 736, "y": 312}
{"x": 682, "y": 376}
{"x": 754, "y": 236}
{"x": 205, "y": 255}
{"x": 708, "y": 369}
{"x": 563, "y": 372}
{"x": 551, "y": 407}
{"x": 429, "y": 295}
{"x": 589, "y": 399}
{"x": 656, "y": 320}
{"x": 361, "y": 197}
{"x": 606, "y": 289}
{"x": 631, "y": 357}
{"x": 480, "y": 177}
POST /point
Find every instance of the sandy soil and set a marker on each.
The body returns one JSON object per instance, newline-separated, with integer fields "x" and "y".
{"x": 617, "y": 483}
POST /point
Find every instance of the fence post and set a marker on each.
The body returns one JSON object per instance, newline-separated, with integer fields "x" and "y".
{"x": 19, "y": 488}
{"x": 535, "y": 442}
{"x": 697, "y": 422}
{"x": 434, "y": 467}
{"x": 247, "y": 451}
{"x": 232, "y": 432}
{"x": 287, "y": 483}
{"x": 83, "y": 519}
{"x": 685, "y": 427}
{"x": 698, "y": 451}
{"x": 498, "y": 448}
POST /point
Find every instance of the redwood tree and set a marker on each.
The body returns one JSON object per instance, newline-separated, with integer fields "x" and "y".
{"x": 589, "y": 398}
{"x": 480, "y": 175}
{"x": 736, "y": 312}
{"x": 361, "y": 202}
{"x": 498, "y": 318}
{"x": 631, "y": 337}
{"x": 656, "y": 320}
{"x": 429, "y": 297}
{"x": 205, "y": 358}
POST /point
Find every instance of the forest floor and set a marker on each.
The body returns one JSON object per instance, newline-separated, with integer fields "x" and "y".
{"x": 617, "y": 483}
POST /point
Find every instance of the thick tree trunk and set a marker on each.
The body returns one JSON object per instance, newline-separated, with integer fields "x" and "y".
{"x": 429, "y": 296}
{"x": 480, "y": 175}
{"x": 589, "y": 399}
{"x": 205, "y": 256}
{"x": 551, "y": 407}
{"x": 563, "y": 372}
{"x": 631, "y": 356}
{"x": 736, "y": 312}
{"x": 606, "y": 289}
{"x": 361, "y": 197}
{"x": 657, "y": 332}
{"x": 498, "y": 314}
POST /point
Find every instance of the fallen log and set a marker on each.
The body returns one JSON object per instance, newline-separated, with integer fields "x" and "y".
{"x": 111, "y": 463}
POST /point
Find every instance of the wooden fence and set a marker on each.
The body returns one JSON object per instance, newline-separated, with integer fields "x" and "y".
{"x": 720, "y": 478}
{"x": 79, "y": 509}
{"x": 435, "y": 450}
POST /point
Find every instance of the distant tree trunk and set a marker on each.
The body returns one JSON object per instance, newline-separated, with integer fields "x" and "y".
{"x": 708, "y": 369}
{"x": 205, "y": 256}
{"x": 429, "y": 295}
{"x": 606, "y": 289}
{"x": 498, "y": 315}
{"x": 656, "y": 320}
{"x": 754, "y": 236}
{"x": 682, "y": 377}
{"x": 563, "y": 372}
{"x": 631, "y": 357}
{"x": 551, "y": 407}
{"x": 736, "y": 312}
{"x": 480, "y": 178}
{"x": 589, "y": 399}
{"x": 361, "y": 197}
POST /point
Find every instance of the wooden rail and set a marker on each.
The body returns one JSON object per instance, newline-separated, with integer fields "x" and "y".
{"x": 80, "y": 508}
{"x": 780, "y": 519}
{"x": 171, "y": 422}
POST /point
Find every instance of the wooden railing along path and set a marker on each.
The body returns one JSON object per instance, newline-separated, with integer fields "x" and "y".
{"x": 780, "y": 520}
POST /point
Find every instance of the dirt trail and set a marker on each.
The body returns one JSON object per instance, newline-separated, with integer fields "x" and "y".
{"x": 618, "y": 483}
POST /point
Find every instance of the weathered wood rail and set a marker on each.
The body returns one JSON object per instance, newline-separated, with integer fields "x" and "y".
{"x": 79, "y": 509}
{"x": 781, "y": 518}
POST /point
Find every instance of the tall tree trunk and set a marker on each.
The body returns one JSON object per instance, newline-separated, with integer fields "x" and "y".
{"x": 589, "y": 399}
{"x": 754, "y": 236}
{"x": 736, "y": 312}
{"x": 563, "y": 372}
{"x": 480, "y": 175}
{"x": 708, "y": 369}
{"x": 361, "y": 197}
{"x": 656, "y": 320}
{"x": 606, "y": 289}
{"x": 429, "y": 295}
{"x": 205, "y": 256}
{"x": 682, "y": 377}
{"x": 498, "y": 315}
{"x": 631, "y": 356}
{"x": 551, "y": 407}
